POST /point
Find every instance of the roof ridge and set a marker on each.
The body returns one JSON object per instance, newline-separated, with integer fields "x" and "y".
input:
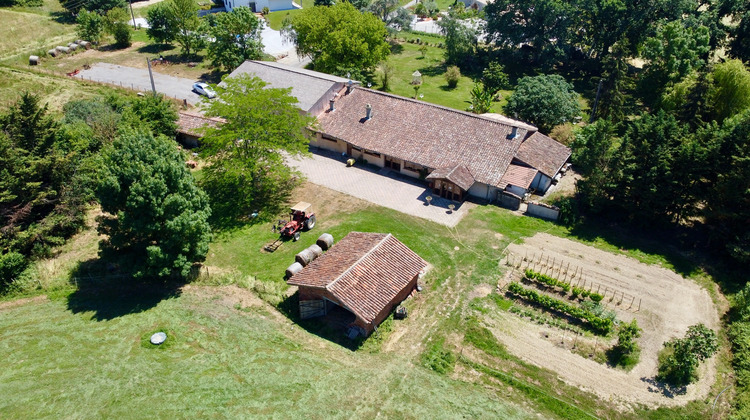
{"x": 295, "y": 70}
{"x": 367, "y": 254}
{"x": 445, "y": 108}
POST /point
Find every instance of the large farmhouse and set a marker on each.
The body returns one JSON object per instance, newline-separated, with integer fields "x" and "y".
{"x": 368, "y": 274}
{"x": 458, "y": 154}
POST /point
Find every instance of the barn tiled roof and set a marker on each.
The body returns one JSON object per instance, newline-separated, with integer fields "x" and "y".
{"x": 457, "y": 174}
{"x": 365, "y": 271}
{"x": 429, "y": 135}
{"x": 520, "y": 176}
{"x": 191, "y": 124}
{"x": 543, "y": 153}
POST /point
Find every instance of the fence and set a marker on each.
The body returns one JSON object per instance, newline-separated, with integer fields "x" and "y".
{"x": 575, "y": 276}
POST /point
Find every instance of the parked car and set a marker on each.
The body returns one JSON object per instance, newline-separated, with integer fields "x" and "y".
{"x": 204, "y": 89}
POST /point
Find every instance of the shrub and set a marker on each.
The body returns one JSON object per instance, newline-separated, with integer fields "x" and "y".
{"x": 678, "y": 365}
{"x": 550, "y": 281}
{"x": 12, "y": 265}
{"x": 626, "y": 352}
{"x": 596, "y": 297}
{"x": 266, "y": 11}
{"x": 452, "y": 76}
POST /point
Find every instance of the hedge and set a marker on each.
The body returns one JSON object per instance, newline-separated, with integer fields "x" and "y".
{"x": 601, "y": 326}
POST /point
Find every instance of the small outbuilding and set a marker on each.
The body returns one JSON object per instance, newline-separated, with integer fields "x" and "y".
{"x": 367, "y": 274}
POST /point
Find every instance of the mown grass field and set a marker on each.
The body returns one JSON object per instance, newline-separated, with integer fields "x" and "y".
{"x": 54, "y": 90}
{"x": 27, "y": 33}
{"x": 232, "y": 354}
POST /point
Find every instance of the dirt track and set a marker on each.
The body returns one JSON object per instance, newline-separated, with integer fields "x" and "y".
{"x": 669, "y": 304}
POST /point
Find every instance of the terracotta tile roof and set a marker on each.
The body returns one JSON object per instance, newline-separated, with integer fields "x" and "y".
{"x": 429, "y": 135}
{"x": 365, "y": 271}
{"x": 543, "y": 153}
{"x": 190, "y": 123}
{"x": 520, "y": 176}
{"x": 458, "y": 175}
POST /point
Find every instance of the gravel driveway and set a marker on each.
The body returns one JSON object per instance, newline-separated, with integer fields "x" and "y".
{"x": 382, "y": 187}
{"x": 137, "y": 79}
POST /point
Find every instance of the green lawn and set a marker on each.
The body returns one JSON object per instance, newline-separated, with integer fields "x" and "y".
{"x": 276, "y": 19}
{"x": 407, "y": 58}
{"x": 30, "y": 33}
{"x": 221, "y": 362}
{"x": 233, "y": 355}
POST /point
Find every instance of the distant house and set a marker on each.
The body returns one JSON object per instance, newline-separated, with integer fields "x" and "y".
{"x": 458, "y": 154}
{"x": 258, "y": 5}
{"x": 367, "y": 274}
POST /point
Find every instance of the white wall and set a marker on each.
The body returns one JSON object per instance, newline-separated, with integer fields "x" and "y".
{"x": 480, "y": 190}
{"x": 516, "y": 190}
{"x": 541, "y": 183}
{"x": 273, "y": 5}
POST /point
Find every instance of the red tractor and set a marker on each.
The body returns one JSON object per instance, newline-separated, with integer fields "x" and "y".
{"x": 301, "y": 217}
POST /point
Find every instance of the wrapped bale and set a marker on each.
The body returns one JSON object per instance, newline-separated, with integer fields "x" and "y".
{"x": 316, "y": 250}
{"x": 33, "y": 60}
{"x": 53, "y": 52}
{"x": 325, "y": 241}
{"x": 308, "y": 255}
{"x": 304, "y": 257}
{"x": 73, "y": 46}
{"x": 293, "y": 269}
{"x": 64, "y": 50}
{"x": 84, "y": 44}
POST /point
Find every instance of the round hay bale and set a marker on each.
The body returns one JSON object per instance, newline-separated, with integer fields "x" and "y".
{"x": 325, "y": 241}
{"x": 293, "y": 269}
{"x": 53, "y": 52}
{"x": 73, "y": 46}
{"x": 316, "y": 250}
{"x": 64, "y": 50}
{"x": 33, "y": 60}
{"x": 304, "y": 257}
{"x": 84, "y": 44}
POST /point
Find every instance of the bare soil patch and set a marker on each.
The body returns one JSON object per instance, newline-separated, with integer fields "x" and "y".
{"x": 664, "y": 304}
{"x": 20, "y": 302}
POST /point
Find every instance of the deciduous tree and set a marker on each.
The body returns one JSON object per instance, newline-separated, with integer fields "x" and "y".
{"x": 545, "y": 101}
{"x": 246, "y": 170}
{"x": 236, "y": 38}
{"x": 188, "y": 27}
{"x": 90, "y": 26}
{"x": 460, "y": 40}
{"x": 339, "y": 37}
{"x": 161, "y": 27}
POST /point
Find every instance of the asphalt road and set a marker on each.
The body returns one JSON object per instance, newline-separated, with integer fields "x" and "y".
{"x": 137, "y": 79}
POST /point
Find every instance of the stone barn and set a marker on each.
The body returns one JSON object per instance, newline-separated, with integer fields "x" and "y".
{"x": 366, "y": 274}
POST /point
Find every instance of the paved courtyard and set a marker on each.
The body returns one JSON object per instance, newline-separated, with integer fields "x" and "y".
{"x": 382, "y": 187}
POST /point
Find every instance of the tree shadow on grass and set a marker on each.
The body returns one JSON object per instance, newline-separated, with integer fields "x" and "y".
{"x": 109, "y": 293}
{"x": 155, "y": 48}
{"x": 664, "y": 388}
{"x": 628, "y": 238}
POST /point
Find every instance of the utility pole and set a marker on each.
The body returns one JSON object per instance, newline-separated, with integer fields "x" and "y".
{"x": 132, "y": 14}
{"x": 151, "y": 75}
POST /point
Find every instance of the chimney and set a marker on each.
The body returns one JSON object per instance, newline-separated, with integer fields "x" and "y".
{"x": 368, "y": 111}
{"x": 332, "y": 105}
{"x": 349, "y": 86}
{"x": 513, "y": 133}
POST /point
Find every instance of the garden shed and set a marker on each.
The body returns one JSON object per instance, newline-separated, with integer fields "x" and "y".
{"x": 367, "y": 274}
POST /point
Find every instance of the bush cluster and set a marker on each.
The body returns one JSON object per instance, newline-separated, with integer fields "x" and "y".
{"x": 601, "y": 326}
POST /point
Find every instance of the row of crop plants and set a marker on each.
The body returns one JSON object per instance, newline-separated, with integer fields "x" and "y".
{"x": 566, "y": 287}
{"x": 597, "y": 324}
